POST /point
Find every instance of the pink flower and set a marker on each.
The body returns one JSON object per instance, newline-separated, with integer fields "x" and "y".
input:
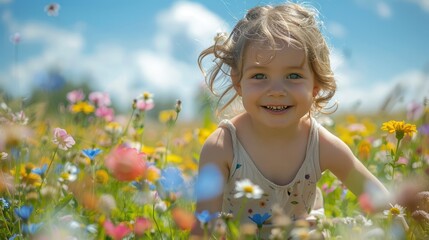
{"x": 116, "y": 232}
{"x": 144, "y": 104}
{"x": 104, "y": 112}
{"x": 52, "y": 9}
{"x": 141, "y": 225}
{"x": 62, "y": 139}
{"x": 126, "y": 164}
{"x": 100, "y": 99}
{"x": 75, "y": 96}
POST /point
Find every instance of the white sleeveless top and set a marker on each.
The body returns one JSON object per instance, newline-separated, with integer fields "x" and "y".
{"x": 296, "y": 198}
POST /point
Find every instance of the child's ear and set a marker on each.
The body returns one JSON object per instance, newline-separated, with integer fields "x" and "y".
{"x": 235, "y": 78}
{"x": 316, "y": 90}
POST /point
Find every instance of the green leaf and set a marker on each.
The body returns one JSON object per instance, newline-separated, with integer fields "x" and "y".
{"x": 62, "y": 203}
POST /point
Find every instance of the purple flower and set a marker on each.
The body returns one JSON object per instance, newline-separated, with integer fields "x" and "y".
{"x": 62, "y": 139}
{"x": 424, "y": 129}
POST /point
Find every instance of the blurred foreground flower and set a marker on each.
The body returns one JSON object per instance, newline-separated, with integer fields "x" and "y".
{"x": 126, "y": 164}
{"x": 209, "y": 183}
{"x": 116, "y": 232}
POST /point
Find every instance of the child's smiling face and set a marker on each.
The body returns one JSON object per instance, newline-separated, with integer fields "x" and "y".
{"x": 277, "y": 86}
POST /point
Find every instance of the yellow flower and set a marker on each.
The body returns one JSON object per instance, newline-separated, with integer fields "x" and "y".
{"x": 101, "y": 176}
{"x": 174, "y": 158}
{"x": 167, "y": 116}
{"x": 400, "y": 128}
{"x": 82, "y": 107}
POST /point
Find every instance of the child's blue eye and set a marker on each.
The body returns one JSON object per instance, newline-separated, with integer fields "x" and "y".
{"x": 259, "y": 76}
{"x": 293, "y": 76}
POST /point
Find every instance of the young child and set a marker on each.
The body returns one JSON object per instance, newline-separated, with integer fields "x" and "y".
{"x": 276, "y": 62}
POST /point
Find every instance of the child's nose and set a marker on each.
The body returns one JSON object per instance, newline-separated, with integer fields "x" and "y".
{"x": 277, "y": 88}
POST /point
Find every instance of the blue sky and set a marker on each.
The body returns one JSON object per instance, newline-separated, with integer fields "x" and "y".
{"x": 125, "y": 48}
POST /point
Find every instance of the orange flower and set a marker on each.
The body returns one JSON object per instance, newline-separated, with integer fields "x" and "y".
{"x": 184, "y": 219}
{"x": 126, "y": 164}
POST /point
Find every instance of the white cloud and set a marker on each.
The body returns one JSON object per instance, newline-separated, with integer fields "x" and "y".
{"x": 380, "y": 7}
{"x": 412, "y": 85}
{"x": 336, "y": 29}
{"x": 424, "y": 4}
{"x": 384, "y": 10}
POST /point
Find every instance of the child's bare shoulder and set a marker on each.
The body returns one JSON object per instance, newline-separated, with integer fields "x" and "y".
{"x": 218, "y": 147}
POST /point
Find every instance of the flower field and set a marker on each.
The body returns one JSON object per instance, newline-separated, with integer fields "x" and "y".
{"x": 86, "y": 173}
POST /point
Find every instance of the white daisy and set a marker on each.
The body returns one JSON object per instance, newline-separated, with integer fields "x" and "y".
{"x": 395, "y": 210}
{"x": 246, "y": 188}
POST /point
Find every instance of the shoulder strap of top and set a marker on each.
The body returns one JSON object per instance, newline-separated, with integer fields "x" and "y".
{"x": 313, "y": 146}
{"x": 228, "y": 124}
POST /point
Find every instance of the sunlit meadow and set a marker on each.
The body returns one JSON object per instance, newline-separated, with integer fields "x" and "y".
{"x": 76, "y": 167}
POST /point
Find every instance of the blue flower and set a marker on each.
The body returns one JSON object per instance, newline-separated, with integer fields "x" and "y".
{"x": 209, "y": 183}
{"x": 259, "y": 219}
{"x": 205, "y": 216}
{"x": 91, "y": 153}
{"x": 24, "y": 212}
{"x": 31, "y": 228}
{"x": 171, "y": 179}
{"x": 40, "y": 171}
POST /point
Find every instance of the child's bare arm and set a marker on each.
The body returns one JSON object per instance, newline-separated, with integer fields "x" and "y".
{"x": 217, "y": 150}
{"x": 337, "y": 157}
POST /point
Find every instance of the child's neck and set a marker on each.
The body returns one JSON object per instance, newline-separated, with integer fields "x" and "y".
{"x": 271, "y": 134}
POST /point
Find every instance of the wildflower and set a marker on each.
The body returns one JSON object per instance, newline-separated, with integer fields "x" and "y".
{"x": 4, "y": 204}
{"x": 167, "y": 116}
{"x": 20, "y": 118}
{"x": 415, "y": 110}
{"x": 52, "y": 9}
{"x": 69, "y": 173}
{"x": 24, "y": 212}
{"x": 31, "y": 228}
{"x": 171, "y": 179}
{"x": 106, "y": 203}
{"x": 106, "y": 113}
{"x": 126, "y": 164}
{"x": 260, "y": 219}
{"x": 424, "y": 129}
{"x": 178, "y": 106}
{"x": 116, "y": 232}
{"x": 75, "y": 96}
{"x": 160, "y": 206}
{"x": 205, "y": 217}
{"x": 91, "y": 153}
{"x": 246, "y": 188}
{"x": 184, "y": 219}
{"x": 3, "y": 155}
{"x": 101, "y": 176}
{"x": 144, "y": 102}
{"x": 40, "y": 171}
{"x": 141, "y": 225}
{"x": 209, "y": 183}
{"x": 62, "y": 139}
{"x": 15, "y": 38}
{"x": 399, "y": 128}
{"x": 100, "y": 99}
{"x": 82, "y": 107}
{"x": 395, "y": 210}
{"x": 114, "y": 128}
{"x": 153, "y": 173}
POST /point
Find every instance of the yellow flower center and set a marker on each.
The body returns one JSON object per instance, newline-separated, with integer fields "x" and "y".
{"x": 248, "y": 189}
{"x": 395, "y": 211}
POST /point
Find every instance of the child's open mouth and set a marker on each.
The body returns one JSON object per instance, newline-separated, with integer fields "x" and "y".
{"x": 277, "y": 108}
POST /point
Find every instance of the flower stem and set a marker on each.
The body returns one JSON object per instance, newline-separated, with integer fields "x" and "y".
{"x": 47, "y": 170}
